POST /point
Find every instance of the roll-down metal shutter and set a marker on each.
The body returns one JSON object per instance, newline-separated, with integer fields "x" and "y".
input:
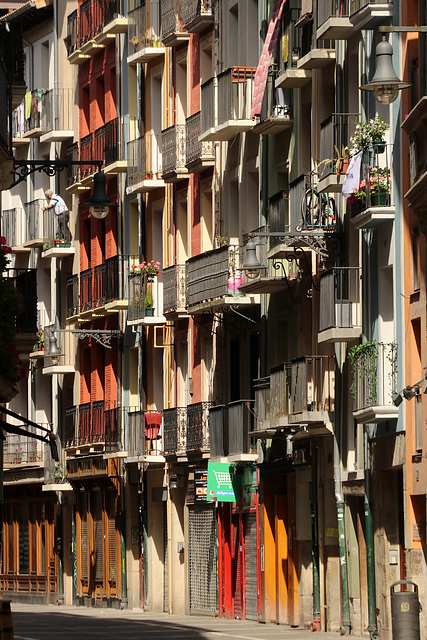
{"x": 165, "y": 560}
{"x": 202, "y": 536}
{"x": 249, "y": 524}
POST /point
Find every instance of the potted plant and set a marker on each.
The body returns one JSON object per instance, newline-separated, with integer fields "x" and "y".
{"x": 368, "y": 134}
{"x": 148, "y": 269}
{"x": 379, "y": 183}
{"x": 148, "y": 302}
{"x": 39, "y": 344}
{"x": 339, "y": 161}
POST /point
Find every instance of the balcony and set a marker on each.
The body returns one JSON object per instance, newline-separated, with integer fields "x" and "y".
{"x": 175, "y": 292}
{"x": 175, "y": 431}
{"x": 145, "y": 300}
{"x": 13, "y": 227}
{"x": 313, "y": 393}
{"x": 198, "y": 155}
{"x": 144, "y": 164}
{"x": 172, "y": 19}
{"x": 226, "y": 104}
{"x": 144, "y": 41}
{"x": 290, "y": 77}
{"x": 74, "y": 184}
{"x": 35, "y": 219}
{"x": 198, "y": 15}
{"x": 370, "y": 14}
{"x": 340, "y": 311}
{"x": 314, "y": 54}
{"x": 100, "y": 290}
{"x": 230, "y": 429}
{"x": 213, "y": 280}
{"x": 23, "y": 451}
{"x": 371, "y": 206}
{"x": 145, "y": 437}
{"x": 198, "y": 427}
{"x": 25, "y": 281}
{"x": 26, "y": 118}
{"x": 99, "y": 22}
{"x": 374, "y": 374}
{"x": 56, "y": 241}
{"x": 67, "y": 347}
{"x": 57, "y": 120}
{"x": 275, "y": 115}
{"x": 333, "y": 22}
{"x": 109, "y": 145}
{"x": 93, "y": 427}
{"x": 272, "y": 402}
{"x": 415, "y": 125}
{"x": 335, "y": 134}
{"x": 173, "y": 153}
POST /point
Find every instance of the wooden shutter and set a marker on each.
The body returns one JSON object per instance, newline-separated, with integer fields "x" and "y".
{"x": 98, "y": 537}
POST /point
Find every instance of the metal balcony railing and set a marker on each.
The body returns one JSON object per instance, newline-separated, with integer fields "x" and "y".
{"x": 235, "y": 91}
{"x": 73, "y": 306}
{"x": 144, "y": 158}
{"x": 374, "y": 370}
{"x": 312, "y": 384}
{"x": 94, "y": 15}
{"x": 194, "y": 9}
{"x": 310, "y": 210}
{"x": 375, "y": 187}
{"x": 85, "y": 22}
{"x": 208, "y": 99}
{"x": 218, "y": 436}
{"x": 52, "y": 232}
{"x": 174, "y": 289}
{"x": 27, "y": 116}
{"x": 87, "y": 154}
{"x": 73, "y": 172}
{"x": 93, "y": 422}
{"x": 280, "y": 391}
{"x": 13, "y": 226}
{"x": 109, "y": 141}
{"x": 339, "y": 305}
{"x": 194, "y": 149}
{"x": 173, "y": 149}
{"x": 356, "y": 5}
{"x": 262, "y": 402}
{"x": 34, "y": 215}
{"x": 25, "y": 281}
{"x": 100, "y": 284}
{"x": 335, "y": 134}
{"x": 72, "y": 32}
{"x": 175, "y": 430}
{"x": 332, "y": 9}
{"x": 240, "y": 424}
{"x": 198, "y": 426}
{"x": 142, "y": 31}
{"x": 145, "y": 433}
{"x": 145, "y": 297}
{"x": 18, "y": 450}
{"x": 214, "y": 274}
{"x": 290, "y": 54}
{"x": 172, "y": 17}
{"x": 57, "y": 107}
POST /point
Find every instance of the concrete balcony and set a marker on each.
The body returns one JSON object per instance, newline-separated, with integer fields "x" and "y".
{"x": 214, "y": 279}
{"x": 172, "y": 19}
{"x": 335, "y": 134}
{"x": 145, "y": 437}
{"x": 63, "y": 363}
{"x": 93, "y": 427}
{"x": 374, "y": 371}
{"x": 27, "y": 118}
{"x": 370, "y": 14}
{"x": 144, "y": 164}
{"x": 289, "y": 76}
{"x": 313, "y": 393}
{"x": 198, "y": 155}
{"x": 56, "y": 120}
{"x": 175, "y": 431}
{"x": 14, "y": 228}
{"x": 340, "y": 309}
{"x": 333, "y": 22}
{"x": 74, "y": 174}
{"x": 198, "y": 15}
{"x": 226, "y": 104}
{"x": 175, "y": 292}
{"x": 174, "y": 153}
{"x": 145, "y": 301}
{"x": 272, "y": 402}
{"x": 316, "y": 58}
{"x": 197, "y": 439}
{"x": 230, "y": 432}
{"x": 144, "y": 39}
{"x": 23, "y": 452}
{"x": 36, "y": 219}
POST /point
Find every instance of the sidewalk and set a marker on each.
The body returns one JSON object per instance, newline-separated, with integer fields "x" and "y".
{"x": 42, "y": 622}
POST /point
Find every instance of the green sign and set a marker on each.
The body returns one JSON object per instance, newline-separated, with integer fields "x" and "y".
{"x": 223, "y": 484}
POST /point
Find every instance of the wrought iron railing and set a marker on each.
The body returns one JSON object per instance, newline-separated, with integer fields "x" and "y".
{"x": 93, "y": 422}
{"x": 173, "y": 149}
{"x": 57, "y": 107}
{"x": 145, "y": 433}
{"x": 208, "y": 92}
{"x": 262, "y": 402}
{"x": 144, "y": 158}
{"x": 175, "y": 430}
{"x": 109, "y": 141}
{"x": 195, "y": 8}
{"x": 218, "y": 443}
{"x": 94, "y": 15}
{"x": 335, "y": 132}
{"x": 73, "y": 298}
{"x": 73, "y": 172}
{"x": 141, "y": 32}
{"x": 280, "y": 391}
{"x": 174, "y": 289}
{"x": 172, "y": 17}
{"x": 13, "y": 226}
{"x": 214, "y": 274}
{"x": 339, "y": 305}
{"x": 85, "y": 22}
{"x": 198, "y": 426}
{"x": 194, "y": 149}
{"x": 34, "y": 216}
{"x": 310, "y": 210}
{"x": 72, "y": 32}
{"x": 145, "y": 297}
{"x": 374, "y": 371}
{"x": 312, "y": 384}
{"x": 19, "y": 450}
{"x": 87, "y": 154}
{"x": 332, "y": 9}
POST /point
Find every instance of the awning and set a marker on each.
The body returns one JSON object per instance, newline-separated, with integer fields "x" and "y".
{"x": 264, "y": 61}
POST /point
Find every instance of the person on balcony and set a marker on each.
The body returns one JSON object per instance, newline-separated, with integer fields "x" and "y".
{"x": 61, "y": 213}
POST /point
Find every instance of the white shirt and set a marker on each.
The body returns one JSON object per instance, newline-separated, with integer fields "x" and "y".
{"x": 58, "y": 204}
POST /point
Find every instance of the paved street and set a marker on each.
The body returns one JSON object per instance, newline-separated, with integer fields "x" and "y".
{"x": 37, "y": 622}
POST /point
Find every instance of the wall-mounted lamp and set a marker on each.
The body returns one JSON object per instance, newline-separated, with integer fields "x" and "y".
{"x": 385, "y": 84}
{"x": 409, "y": 392}
{"x": 53, "y": 352}
{"x": 251, "y": 265}
{"x": 99, "y": 204}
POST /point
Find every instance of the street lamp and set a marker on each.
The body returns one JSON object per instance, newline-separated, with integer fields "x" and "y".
{"x": 251, "y": 264}
{"x": 99, "y": 203}
{"x": 385, "y": 84}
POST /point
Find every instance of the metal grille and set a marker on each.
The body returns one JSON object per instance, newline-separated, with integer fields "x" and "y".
{"x": 165, "y": 560}
{"x": 249, "y": 523}
{"x": 202, "y": 559}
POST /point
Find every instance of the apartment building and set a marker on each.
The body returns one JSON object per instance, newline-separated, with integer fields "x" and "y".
{"x": 234, "y": 336}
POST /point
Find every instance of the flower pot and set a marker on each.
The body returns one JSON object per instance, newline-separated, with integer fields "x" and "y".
{"x": 379, "y": 146}
{"x": 149, "y": 311}
{"x": 379, "y": 199}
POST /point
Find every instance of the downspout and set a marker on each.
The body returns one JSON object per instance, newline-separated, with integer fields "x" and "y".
{"x": 370, "y": 565}
{"x": 339, "y": 356}
{"x": 315, "y": 625}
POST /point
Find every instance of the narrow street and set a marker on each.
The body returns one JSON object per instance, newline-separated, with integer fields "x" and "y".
{"x": 40, "y": 622}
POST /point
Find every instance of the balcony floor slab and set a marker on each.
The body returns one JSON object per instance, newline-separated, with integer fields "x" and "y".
{"x": 59, "y": 369}
{"x": 273, "y": 125}
{"x": 376, "y": 414}
{"x": 57, "y": 136}
{"x": 222, "y": 304}
{"x": 145, "y": 55}
{"x": 335, "y": 28}
{"x": 119, "y": 166}
{"x": 58, "y": 252}
{"x": 144, "y": 186}
{"x": 200, "y": 23}
{"x": 372, "y": 15}
{"x": 230, "y": 128}
{"x": 293, "y": 78}
{"x": 331, "y": 184}
{"x": 373, "y": 217}
{"x": 339, "y": 334}
{"x": 77, "y": 57}
{"x": 316, "y": 59}
{"x": 266, "y": 284}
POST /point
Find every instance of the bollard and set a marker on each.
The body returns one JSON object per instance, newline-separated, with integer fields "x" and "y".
{"x": 6, "y": 624}
{"x": 405, "y": 612}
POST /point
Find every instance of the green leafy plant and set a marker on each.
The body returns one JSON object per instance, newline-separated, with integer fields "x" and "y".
{"x": 366, "y": 134}
{"x": 144, "y": 269}
{"x": 364, "y": 366}
{"x": 149, "y": 299}
{"x": 339, "y": 160}
{"x": 40, "y": 335}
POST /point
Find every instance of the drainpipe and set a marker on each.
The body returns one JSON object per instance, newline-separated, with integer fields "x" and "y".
{"x": 339, "y": 356}
{"x": 370, "y": 560}
{"x": 315, "y": 625}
